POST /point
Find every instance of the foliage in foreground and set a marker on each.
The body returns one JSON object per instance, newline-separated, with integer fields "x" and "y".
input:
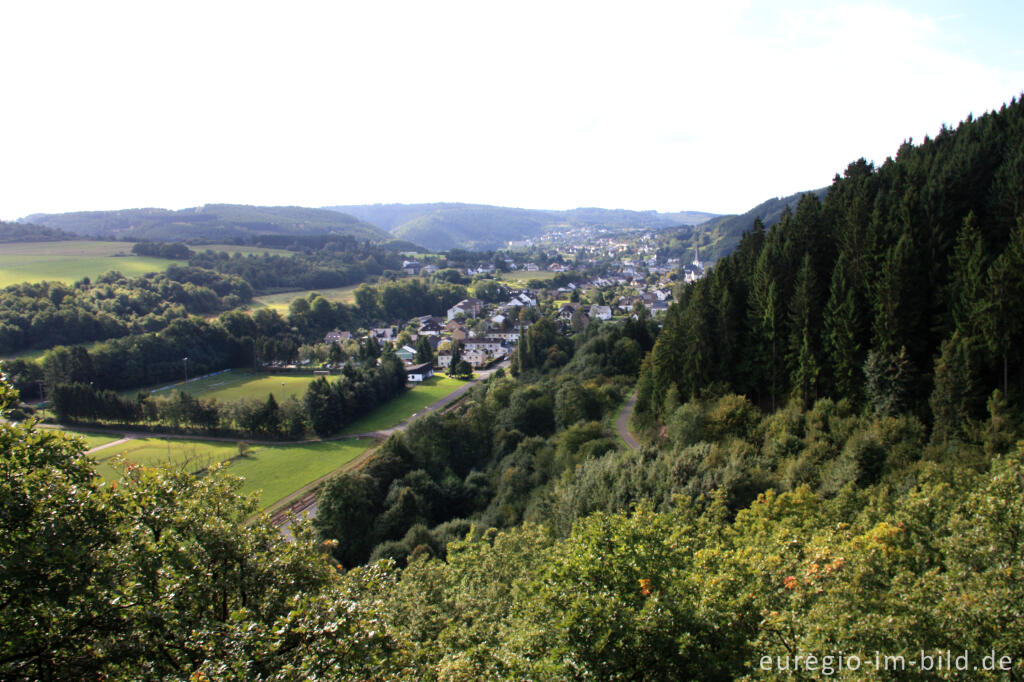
{"x": 161, "y": 577}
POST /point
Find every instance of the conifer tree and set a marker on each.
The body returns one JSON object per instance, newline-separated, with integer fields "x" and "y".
{"x": 840, "y": 334}
{"x": 1002, "y": 314}
{"x": 967, "y": 277}
{"x": 801, "y": 352}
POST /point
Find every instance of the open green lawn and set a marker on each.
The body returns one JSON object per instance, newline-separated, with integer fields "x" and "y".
{"x": 275, "y": 470}
{"x": 239, "y": 383}
{"x": 71, "y": 261}
{"x": 92, "y": 440}
{"x": 244, "y": 250}
{"x": 280, "y": 302}
{"x": 522, "y": 276}
{"x": 405, "y": 405}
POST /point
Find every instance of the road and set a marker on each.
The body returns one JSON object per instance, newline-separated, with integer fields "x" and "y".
{"x": 622, "y": 423}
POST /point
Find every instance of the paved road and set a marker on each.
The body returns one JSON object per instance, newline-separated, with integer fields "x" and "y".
{"x": 622, "y": 423}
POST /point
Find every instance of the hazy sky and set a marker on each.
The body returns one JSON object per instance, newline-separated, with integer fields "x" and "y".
{"x": 671, "y": 106}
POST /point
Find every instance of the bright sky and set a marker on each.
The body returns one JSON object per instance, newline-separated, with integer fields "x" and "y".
{"x": 672, "y": 106}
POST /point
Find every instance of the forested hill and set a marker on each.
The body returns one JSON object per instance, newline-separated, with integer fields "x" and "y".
{"x": 474, "y": 226}
{"x": 720, "y": 236}
{"x": 27, "y": 232}
{"x": 902, "y": 290}
{"x": 212, "y": 222}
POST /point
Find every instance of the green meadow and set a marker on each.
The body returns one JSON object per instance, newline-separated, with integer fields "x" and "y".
{"x": 522, "y": 276}
{"x": 71, "y": 261}
{"x": 239, "y": 383}
{"x": 405, "y": 405}
{"x": 275, "y": 471}
{"x": 281, "y": 301}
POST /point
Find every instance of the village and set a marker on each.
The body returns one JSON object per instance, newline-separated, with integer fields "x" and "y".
{"x": 483, "y": 334}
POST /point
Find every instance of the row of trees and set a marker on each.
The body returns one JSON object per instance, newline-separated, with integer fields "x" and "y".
{"x": 903, "y": 284}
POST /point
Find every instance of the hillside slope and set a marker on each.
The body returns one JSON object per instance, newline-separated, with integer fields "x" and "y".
{"x": 442, "y": 226}
{"x": 213, "y": 222}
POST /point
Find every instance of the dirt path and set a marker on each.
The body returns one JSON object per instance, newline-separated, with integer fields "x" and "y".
{"x": 622, "y": 423}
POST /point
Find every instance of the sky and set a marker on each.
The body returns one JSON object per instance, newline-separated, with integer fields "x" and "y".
{"x": 672, "y": 106}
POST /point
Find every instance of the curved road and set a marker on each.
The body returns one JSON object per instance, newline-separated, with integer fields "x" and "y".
{"x": 622, "y": 423}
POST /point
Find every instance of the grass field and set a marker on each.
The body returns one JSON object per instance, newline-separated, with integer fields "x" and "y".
{"x": 274, "y": 470}
{"x": 523, "y": 276}
{"x": 404, "y": 406}
{"x": 280, "y": 302}
{"x": 238, "y": 383}
{"x": 244, "y": 250}
{"x": 71, "y": 261}
{"x": 92, "y": 440}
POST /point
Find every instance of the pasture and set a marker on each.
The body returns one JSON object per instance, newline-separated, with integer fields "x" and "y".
{"x": 281, "y": 301}
{"x": 274, "y": 471}
{"x": 70, "y": 261}
{"x": 405, "y": 405}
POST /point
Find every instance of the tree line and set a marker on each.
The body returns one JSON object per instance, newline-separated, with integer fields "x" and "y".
{"x": 901, "y": 290}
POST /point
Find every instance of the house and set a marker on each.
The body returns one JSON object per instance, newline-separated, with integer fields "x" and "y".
{"x": 417, "y": 373}
{"x": 412, "y": 266}
{"x": 444, "y": 359}
{"x": 337, "y": 336}
{"x": 384, "y": 334}
{"x": 430, "y": 328}
{"x": 406, "y": 353}
{"x": 532, "y": 267}
{"x": 470, "y": 307}
{"x": 601, "y": 312}
{"x": 566, "y": 311}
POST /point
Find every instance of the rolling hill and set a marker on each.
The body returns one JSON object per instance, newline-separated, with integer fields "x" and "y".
{"x": 443, "y": 226}
{"x": 720, "y": 236}
{"x": 212, "y": 222}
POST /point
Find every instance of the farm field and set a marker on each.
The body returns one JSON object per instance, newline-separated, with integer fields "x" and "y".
{"x": 234, "y": 384}
{"x": 405, "y": 405}
{"x": 274, "y": 470}
{"x": 280, "y": 302}
{"x": 71, "y": 261}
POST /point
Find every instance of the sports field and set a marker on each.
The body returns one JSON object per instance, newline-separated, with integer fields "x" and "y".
{"x": 280, "y": 302}
{"x": 274, "y": 470}
{"x": 71, "y": 261}
{"x": 235, "y": 384}
{"x": 405, "y": 405}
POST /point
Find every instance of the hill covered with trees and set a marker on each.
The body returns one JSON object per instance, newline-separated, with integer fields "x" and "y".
{"x": 443, "y": 226}
{"x": 210, "y": 223}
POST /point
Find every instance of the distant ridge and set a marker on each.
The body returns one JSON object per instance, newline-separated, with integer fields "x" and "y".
{"x": 720, "y": 236}
{"x": 441, "y": 226}
{"x": 212, "y": 222}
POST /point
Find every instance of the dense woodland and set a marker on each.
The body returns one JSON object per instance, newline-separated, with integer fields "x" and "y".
{"x": 832, "y": 467}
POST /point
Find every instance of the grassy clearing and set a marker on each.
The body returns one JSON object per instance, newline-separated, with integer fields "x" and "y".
{"x": 275, "y": 471}
{"x": 244, "y": 250}
{"x": 523, "y": 276}
{"x": 71, "y": 261}
{"x": 92, "y": 439}
{"x": 406, "y": 405}
{"x": 280, "y": 302}
{"x": 234, "y": 384}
